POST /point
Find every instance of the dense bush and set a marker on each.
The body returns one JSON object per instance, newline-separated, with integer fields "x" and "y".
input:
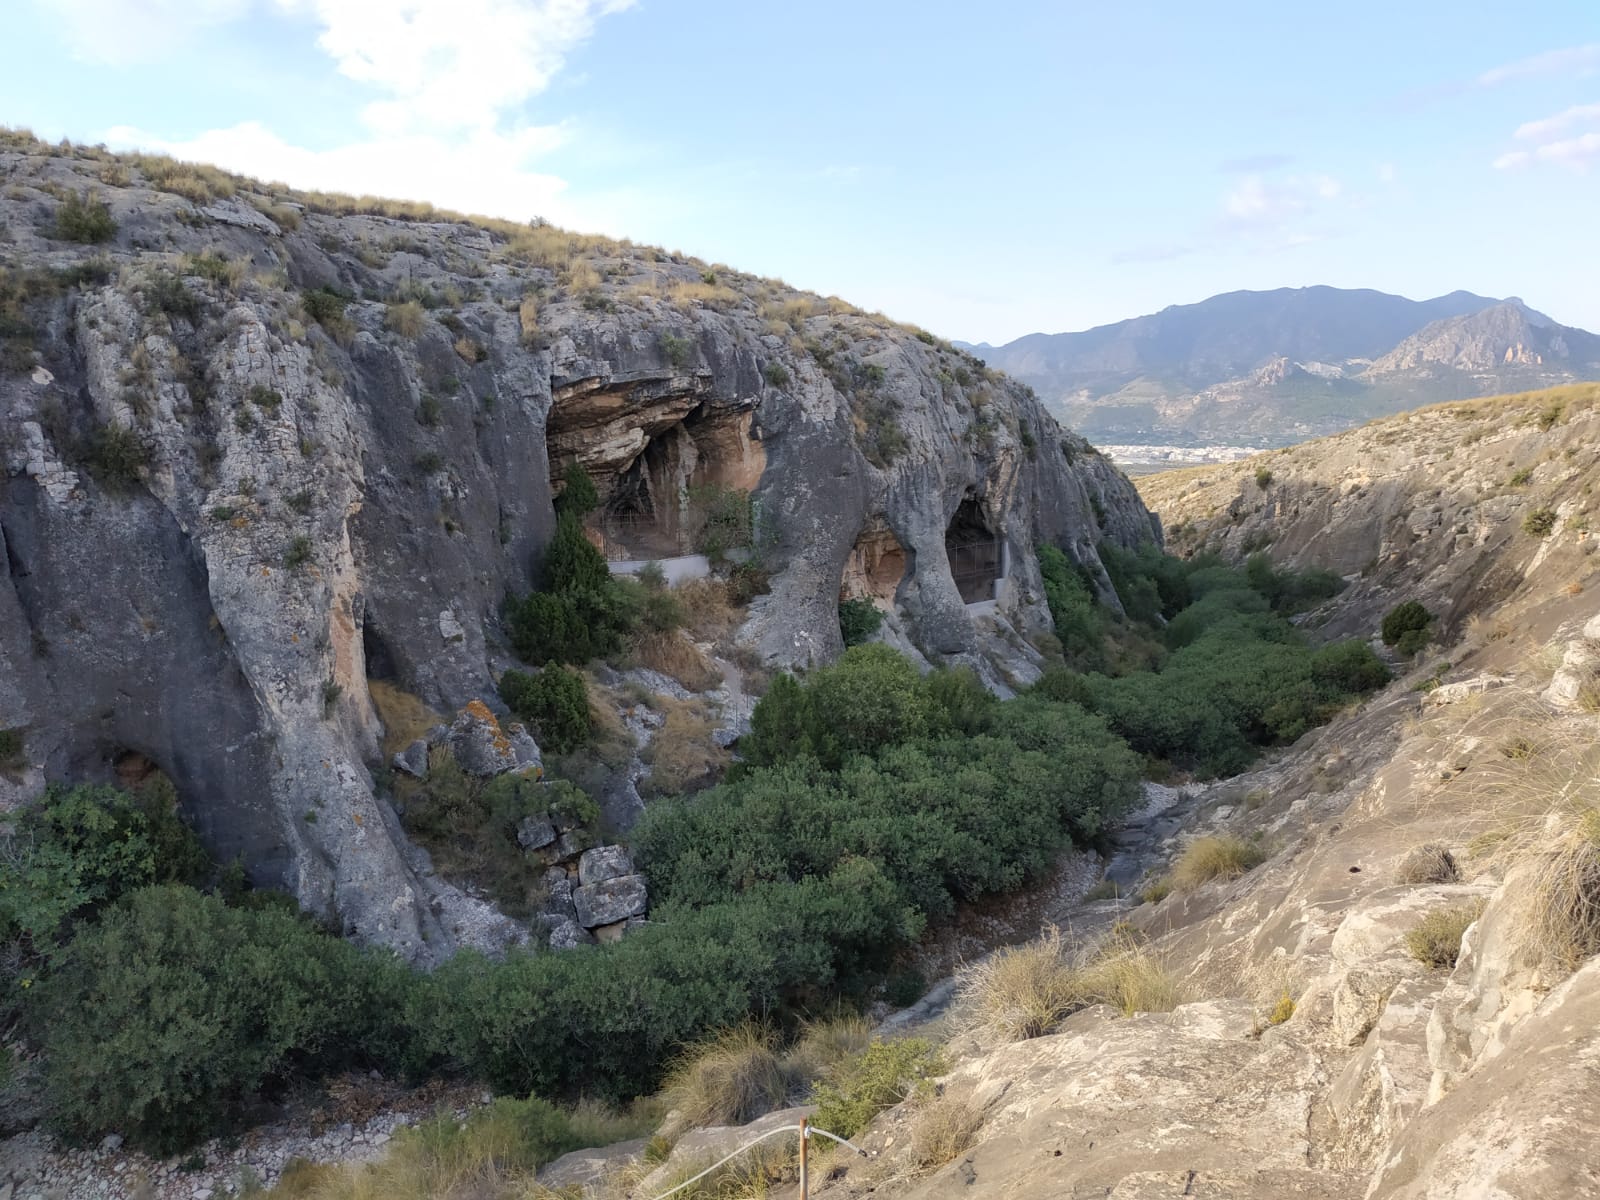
{"x": 1079, "y": 622}
{"x": 945, "y": 818}
{"x": 581, "y": 612}
{"x": 554, "y": 702}
{"x": 84, "y": 219}
{"x": 1405, "y": 627}
{"x": 163, "y": 1018}
{"x": 884, "y": 1075}
{"x": 859, "y": 619}
{"x": 1234, "y": 675}
{"x": 83, "y": 847}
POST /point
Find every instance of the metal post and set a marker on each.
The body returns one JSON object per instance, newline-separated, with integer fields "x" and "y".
{"x": 805, "y": 1144}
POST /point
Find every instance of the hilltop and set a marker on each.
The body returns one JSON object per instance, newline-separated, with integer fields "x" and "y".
{"x": 1285, "y": 365}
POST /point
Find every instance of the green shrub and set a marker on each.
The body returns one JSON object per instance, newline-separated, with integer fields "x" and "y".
{"x": 1079, "y": 622}
{"x": 859, "y": 619}
{"x": 677, "y": 349}
{"x": 887, "y": 1073}
{"x": 1405, "y": 626}
{"x": 579, "y": 496}
{"x": 117, "y": 457}
{"x": 324, "y": 305}
{"x": 1263, "y": 478}
{"x": 1435, "y": 941}
{"x": 166, "y": 292}
{"x": 555, "y": 702}
{"x": 1521, "y": 478}
{"x": 164, "y": 1018}
{"x": 299, "y": 552}
{"x": 84, "y": 219}
{"x": 1349, "y": 667}
{"x": 581, "y": 613}
{"x": 81, "y": 848}
{"x": 1540, "y": 522}
{"x": 776, "y": 374}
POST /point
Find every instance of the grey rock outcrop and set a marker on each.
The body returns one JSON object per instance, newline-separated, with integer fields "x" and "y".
{"x": 611, "y": 900}
{"x": 226, "y": 504}
{"x": 603, "y": 863}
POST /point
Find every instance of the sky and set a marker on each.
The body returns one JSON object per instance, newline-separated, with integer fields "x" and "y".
{"x": 985, "y": 171}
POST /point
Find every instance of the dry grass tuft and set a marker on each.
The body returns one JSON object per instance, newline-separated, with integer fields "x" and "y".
{"x": 1027, "y": 991}
{"x": 405, "y": 717}
{"x": 1219, "y": 857}
{"x": 730, "y": 1079}
{"x": 683, "y": 752}
{"x": 712, "y": 614}
{"x": 825, "y": 1044}
{"x": 1282, "y": 1010}
{"x": 1022, "y": 992}
{"x": 672, "y": 653}
{"x": 404, "y": 319}
{"x": 1131, "y": 980}
{"x": 1431, "y": 862}
{"x": 941, "y": 1129}
{"x": 1562, "y": 902}
{"x": 1435, "y": 941}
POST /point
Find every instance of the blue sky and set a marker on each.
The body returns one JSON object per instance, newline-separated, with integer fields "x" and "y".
{"x": 986, "y": 171}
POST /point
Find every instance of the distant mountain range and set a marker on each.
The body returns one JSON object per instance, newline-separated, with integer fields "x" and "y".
{"x": 1277, "y": 367}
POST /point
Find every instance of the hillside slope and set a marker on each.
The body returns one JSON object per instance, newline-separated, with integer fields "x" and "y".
{"x": 1433, "y": 505}
{"x": 261, "y": 448}
{"x": 1281, "y": 366}
{"x": 1314, "y": 1051}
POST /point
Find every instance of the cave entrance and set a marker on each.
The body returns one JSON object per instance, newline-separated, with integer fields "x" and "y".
{"x": 977, "y": 557}
{"x": 876, "y": 566}
{"x": 657, "y": 478}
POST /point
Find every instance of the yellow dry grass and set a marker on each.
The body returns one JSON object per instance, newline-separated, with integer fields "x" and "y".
{"x": 731, "y": 1078}
{"x": 683, "y": 752}
{"x": 405, "y": 717}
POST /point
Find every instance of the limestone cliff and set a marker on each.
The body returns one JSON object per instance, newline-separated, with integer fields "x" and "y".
{"x": 260, "y": 448}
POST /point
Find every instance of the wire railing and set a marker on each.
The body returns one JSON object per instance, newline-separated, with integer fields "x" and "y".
{"x": 976, "y": 568}
{"x": 804, "y": 1128}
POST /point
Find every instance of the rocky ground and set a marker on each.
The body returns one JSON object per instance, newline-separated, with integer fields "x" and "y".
{"x": 351, "y": 1122}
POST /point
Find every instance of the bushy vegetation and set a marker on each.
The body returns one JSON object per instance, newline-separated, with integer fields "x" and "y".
{"x": 1435, "y": 941}
{"x": 171, "y": 1011}
{"x": 884, "y": 1075}
{"x": 1405, "y": 627}
{"x": 581, "y": 611}
{"x": 554, "y": 702}
{"x": 1216, "y": 857}
{"x": 84, "y": 219}
{"x": 859, "y": 619}
{"x": 1203, "y": 669}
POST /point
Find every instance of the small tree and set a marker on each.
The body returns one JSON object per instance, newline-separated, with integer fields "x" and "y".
{"x": 859, "y": 619}
{"x": 1405, "y": 627}
{"x": 555, "y": 702}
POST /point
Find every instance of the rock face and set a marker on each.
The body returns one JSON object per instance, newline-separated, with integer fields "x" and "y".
{"x": 1433, "y": 505}
{"x": 296, "y": 451}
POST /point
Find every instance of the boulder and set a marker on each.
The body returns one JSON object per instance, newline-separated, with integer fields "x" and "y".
{"x": 567, "y": 934}
{"x": 535, "y": 833}
{"x": 603, "y": 863}
{"x": 610, "y": 901}
{"x": 413, "y": 760}
{"x": 481, "y": 747}
{"x": 558, "y": 893}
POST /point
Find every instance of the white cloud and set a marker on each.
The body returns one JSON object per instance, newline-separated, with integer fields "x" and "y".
{"x": 1387, "y": 173}
{"x": 1539, "y": 131}
{"x": 1573, "y": 152}
{"x": 451, "y": 79}
{"x": 118, "y": 32}
{"x": 1556, "y": 140}
{"x": 451, "y": 64}
{"x": 1258, "y": 203}
{"x": 1580, "y": 60}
